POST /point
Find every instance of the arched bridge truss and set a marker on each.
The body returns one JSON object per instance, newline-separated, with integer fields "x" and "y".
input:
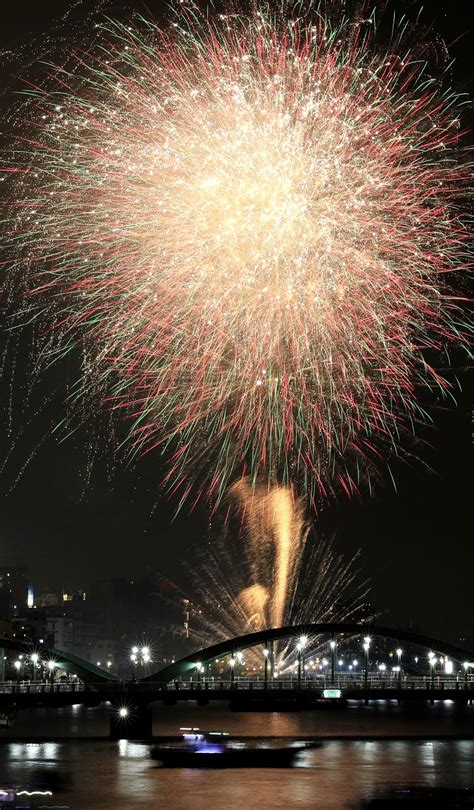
{"x": 337, "y": 631}
{"x": 87, "y": 672}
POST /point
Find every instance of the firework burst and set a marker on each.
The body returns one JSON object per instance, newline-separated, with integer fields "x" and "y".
{"x": 247, "y": 224}
{"x": 263, "y": 571}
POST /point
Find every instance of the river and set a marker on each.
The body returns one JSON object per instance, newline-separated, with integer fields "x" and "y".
{"x": 68, "y": 754}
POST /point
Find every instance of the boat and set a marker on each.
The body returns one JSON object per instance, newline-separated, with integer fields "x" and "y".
{"x": 212, "y": 755}
{"x": 212, "y": 750}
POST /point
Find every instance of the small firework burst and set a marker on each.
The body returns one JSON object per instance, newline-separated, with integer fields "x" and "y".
{"x": 264, "y": 571}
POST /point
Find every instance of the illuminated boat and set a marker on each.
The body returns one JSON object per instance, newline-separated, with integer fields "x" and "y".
{"x": 213, "y": 755}
{"x": 212, "y": 750}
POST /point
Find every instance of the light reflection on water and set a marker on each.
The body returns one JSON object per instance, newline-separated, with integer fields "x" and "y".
{"x": 109, "y": 775}
{"x": 102, "y": 775}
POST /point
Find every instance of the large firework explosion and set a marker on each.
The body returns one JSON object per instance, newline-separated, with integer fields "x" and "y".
{"x": 247, "y": 224}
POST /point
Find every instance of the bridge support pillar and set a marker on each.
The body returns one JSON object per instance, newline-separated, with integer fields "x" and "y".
{"x": 136, "y": 724}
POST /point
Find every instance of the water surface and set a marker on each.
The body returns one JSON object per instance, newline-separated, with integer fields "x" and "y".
{"x": 92, "y": 772}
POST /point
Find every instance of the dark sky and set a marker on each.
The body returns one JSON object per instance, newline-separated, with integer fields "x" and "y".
{"x": 417, "y": 544}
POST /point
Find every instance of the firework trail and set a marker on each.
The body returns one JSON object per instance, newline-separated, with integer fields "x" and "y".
{"x": 247, "y": 224}
{"x": 277, "y": 532}
{"x": 243, "y": 582}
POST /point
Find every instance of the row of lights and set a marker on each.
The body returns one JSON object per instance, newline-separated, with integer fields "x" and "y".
{"x": 303, "y": 640}
{"x": 34, "y": 657}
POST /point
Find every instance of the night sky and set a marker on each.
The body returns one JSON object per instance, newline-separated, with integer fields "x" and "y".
{"x": 416, "y": 542}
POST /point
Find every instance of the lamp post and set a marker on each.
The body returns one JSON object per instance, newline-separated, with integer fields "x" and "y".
{"x": 303, "y": 642}
{"x": 266, "y": 653}
{"x": 17, "y": 666}
{"x": 298, "y": 649}
{"x": 34, "y": 661}
{"x": 133, "y": 659}
{"x": 240, "y": 657}
{"x": 333, "y": 647}
{"x": 271, "y": 657}
{"x": 232, "y": 668}
{"x": 432, "y": 660}
{"x": 367, "y": 641}
{"x": 465, "y": 667}
{"x": 399, "y": 664}
{"x": 51, "y": 667}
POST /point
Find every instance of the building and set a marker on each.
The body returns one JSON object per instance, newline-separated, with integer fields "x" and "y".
{"x": 64, "y": 633}
{"x": 31, "y": 625}
{"x": 101, "y": 651}
{"x": 13, "y": 591}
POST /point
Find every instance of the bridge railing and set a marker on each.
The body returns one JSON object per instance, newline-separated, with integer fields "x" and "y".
{"x": 346, "y": 683}
{"x": 315, "y": 684}
{"x": 11, "y": 687}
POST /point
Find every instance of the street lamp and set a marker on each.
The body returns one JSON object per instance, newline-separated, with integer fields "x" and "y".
{"x": 432, "y": 660}
{"x": 333, "y": 647}
{"x": 298, "y": 650}
{"x": 34, "y": 660}
{"x": 133, "y": 659}
{"x": 302, "y": 642}
{"x": 232, "y": 667}
{"x": 367, "y": 641}
{"x": 51, "y": 666}
{"x": 266, "y": 653}
{"x": 399, "y": 664}
{"x": 17, "y": 666}
{"x": 465, "y": 668}
{"x": 240, "y": 658}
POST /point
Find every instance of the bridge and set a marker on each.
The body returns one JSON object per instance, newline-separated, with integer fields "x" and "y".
{"x": 65, "y": 661}
{"x": 212, "y": 674}
{"x": 337, "y": 632}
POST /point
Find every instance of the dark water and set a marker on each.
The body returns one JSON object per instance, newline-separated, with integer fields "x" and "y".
{"x": 92, "y": 772}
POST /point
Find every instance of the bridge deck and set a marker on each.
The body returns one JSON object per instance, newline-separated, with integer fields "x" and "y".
{"x": 30, "y": 695}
